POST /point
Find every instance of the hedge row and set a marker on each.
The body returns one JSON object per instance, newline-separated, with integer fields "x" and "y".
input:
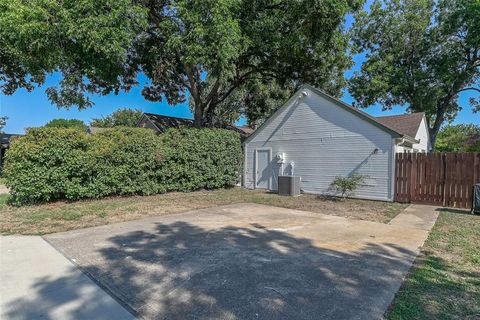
{"x": 51, "y": 163}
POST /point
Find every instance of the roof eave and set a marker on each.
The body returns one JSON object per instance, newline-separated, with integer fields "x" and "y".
{"x": 410, "y": 139}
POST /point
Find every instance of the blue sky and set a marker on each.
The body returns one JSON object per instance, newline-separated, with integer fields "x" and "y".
{"x": 30, "y": 109}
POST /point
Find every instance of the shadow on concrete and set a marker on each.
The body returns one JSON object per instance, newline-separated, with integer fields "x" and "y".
{"x": 72, "y": 296}
{"x": 182, "y": 271}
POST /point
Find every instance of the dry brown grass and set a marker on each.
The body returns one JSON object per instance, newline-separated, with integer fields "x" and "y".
{"x": 63, "y": 216}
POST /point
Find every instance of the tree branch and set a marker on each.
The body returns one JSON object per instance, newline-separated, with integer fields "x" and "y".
{"x": 235, "y": 85}
{"x": 213, "y": 92}
{"x": 469, "y": 88}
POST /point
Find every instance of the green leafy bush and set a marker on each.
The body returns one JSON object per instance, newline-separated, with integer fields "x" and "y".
{"x": 122, "y": 161}
{"x": 200, "y": 158}
{"x": 39, "y": 164}
{"x": 63, "y": 163}
{"x": 346, "y": 186}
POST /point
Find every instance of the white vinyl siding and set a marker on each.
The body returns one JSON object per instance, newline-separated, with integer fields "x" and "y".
{"x": 422, "y": 136}
{"x": 324, "y": 140}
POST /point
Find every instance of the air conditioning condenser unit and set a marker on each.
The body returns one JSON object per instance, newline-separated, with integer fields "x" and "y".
{"x": 289, "y": 186}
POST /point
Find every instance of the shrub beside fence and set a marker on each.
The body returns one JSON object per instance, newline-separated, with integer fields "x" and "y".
{"x": 51, "y": 164}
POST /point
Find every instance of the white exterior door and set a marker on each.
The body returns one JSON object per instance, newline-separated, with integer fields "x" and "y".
{"x": 263, "y": 169}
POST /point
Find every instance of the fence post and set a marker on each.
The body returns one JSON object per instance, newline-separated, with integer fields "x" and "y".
{"x": 444, "y": 168}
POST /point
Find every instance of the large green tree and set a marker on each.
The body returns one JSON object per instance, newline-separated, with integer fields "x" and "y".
{"x": 206, "y": 50}
{"x": 66, "y": 123}
{"x": 257, "y": 100}
{"x": 419, "y": 53}
{"x": 459, "y": 138}
{"x": 124, "y": 117}
{"x": 86, "y": 42}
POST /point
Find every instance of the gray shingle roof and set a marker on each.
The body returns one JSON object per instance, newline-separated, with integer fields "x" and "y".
{"x": 164, "y": 122}
{"x": 407, "y": 124}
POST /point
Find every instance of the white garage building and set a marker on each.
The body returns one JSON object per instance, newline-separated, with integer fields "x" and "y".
{"x": 318, "y": 137}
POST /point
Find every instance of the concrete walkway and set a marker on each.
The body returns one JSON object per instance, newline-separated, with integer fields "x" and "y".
{"x": 250, "y": 261}
{"x": 37, "y": 282}
{"x": 416, "y": 216}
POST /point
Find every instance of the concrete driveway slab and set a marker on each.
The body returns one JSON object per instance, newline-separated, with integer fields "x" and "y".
{"x": 37, "y": 282}
{"x": 249, "y": 261}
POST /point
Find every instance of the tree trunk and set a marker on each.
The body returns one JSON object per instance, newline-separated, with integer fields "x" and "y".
{"x": 195, "y": 91}
{"x": 209, "y": 121}
{"x": 198, "y": 115}
{"x": 433, "y": 137}
{"x": 433, "y": 131}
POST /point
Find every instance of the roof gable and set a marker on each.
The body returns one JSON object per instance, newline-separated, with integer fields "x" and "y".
{"x": 362, "y": 115}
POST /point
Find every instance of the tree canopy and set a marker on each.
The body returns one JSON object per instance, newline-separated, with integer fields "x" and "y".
{"x": 3, "y": 122}
{"x": 122, "y": 117}
{"x": 421, "y": 54}
{"x": 459, "y": 138}
{"x": 257, "y": 101}
{"x": 204, "y": 50}
{"x": 86, "y": 42}
{"x": 66, "y": 123}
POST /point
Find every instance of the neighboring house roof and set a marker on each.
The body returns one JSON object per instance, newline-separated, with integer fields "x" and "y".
{"x": 407, "y": 124}
{"x": 162, "y": 123}
{"x": 5, "y": 139}
{"x": 247, "y": 129}
{"x": 363, "y": 115}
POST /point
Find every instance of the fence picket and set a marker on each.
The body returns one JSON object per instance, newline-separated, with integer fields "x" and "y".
{"x": 436, "y": 178}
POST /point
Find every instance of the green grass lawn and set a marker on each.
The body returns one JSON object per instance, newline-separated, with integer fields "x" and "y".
{"x": 445, "y": 280}
{"x": 62, "y": 216}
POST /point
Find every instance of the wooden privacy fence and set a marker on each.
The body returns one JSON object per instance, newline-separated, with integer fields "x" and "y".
{"x": 444, "y": 179}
